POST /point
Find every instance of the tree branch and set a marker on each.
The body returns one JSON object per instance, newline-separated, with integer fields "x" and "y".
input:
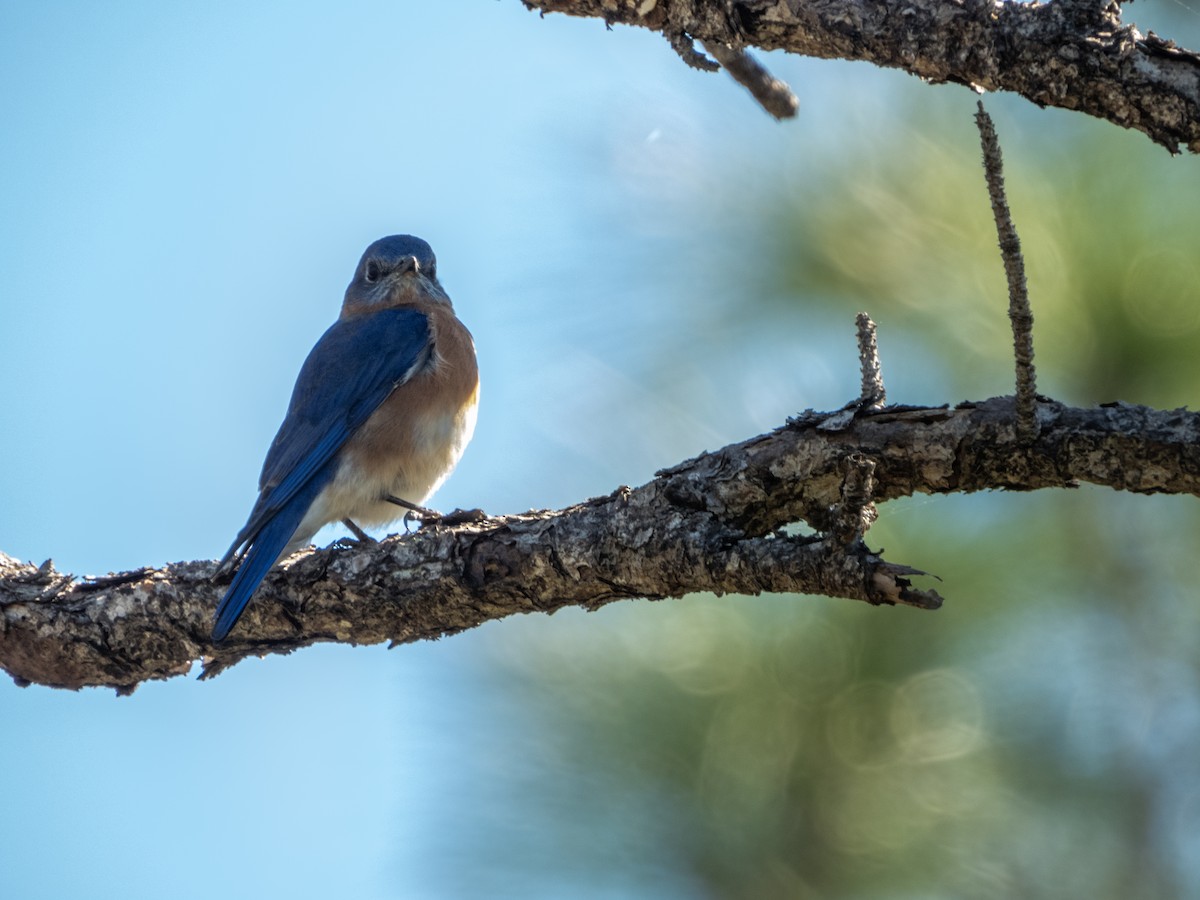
{"x": 709, "y": 524}
{"x": 1074, "y": 54}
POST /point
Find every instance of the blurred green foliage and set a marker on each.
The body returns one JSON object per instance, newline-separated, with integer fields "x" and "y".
{"x": 1039, "y": 736}
{"x": 1109, "y": 233}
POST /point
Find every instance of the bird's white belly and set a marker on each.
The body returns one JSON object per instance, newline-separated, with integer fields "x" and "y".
{"x": 356, "y": 491}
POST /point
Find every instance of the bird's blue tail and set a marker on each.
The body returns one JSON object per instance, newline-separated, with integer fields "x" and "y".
{"x": 265, "y": 548}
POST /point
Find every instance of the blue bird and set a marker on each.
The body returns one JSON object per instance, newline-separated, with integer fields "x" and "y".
{"x": 381, "y": 413}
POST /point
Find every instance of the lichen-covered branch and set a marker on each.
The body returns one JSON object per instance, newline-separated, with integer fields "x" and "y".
{"x": 1020, "y": 313}
{"x": 1074, "y": 54}
{"x": 709, "y": 524}
{"x": 772, "y": 95}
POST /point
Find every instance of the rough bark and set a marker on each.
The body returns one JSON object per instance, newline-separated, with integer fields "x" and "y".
{"x": 1074, "y": 54}
{"x": 711, "y": 524}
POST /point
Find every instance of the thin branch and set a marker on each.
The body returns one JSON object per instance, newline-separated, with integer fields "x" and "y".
{"x": 685, "y": 46}
{"x": 1077, "y": 56}
{"x": 772, "y": 94}
{"x": 1020, "y": 313}
{"x": 874, "y": 394}
{"x": 709, "y": 524}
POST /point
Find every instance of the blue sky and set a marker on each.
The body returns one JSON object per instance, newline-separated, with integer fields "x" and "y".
{"x": 185, "y": 191}
{"x": 187, "y": 194}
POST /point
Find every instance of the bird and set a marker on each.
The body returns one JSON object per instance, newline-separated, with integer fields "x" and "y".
{"x": 381, "y": 413}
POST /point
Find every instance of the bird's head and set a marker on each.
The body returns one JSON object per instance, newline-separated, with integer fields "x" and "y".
{"x": 394, "y": 271}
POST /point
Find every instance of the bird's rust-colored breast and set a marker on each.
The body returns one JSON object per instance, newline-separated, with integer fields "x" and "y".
{"x": 412, "y": 442}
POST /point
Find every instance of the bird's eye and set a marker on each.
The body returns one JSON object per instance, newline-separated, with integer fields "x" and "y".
{"x": 372, "y": 271}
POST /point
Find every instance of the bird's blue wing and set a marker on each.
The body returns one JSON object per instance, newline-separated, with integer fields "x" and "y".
{"x": 348, "y": 374}
{"x": 264, "y": 549}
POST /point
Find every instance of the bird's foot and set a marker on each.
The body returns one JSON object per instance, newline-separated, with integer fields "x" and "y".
{"x": 414, "y": 513}
{"x": 450, "y": 519}
{"x": 425, "y": 516}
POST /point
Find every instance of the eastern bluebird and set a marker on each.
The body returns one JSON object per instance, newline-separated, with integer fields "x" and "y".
{"x": 381, "y": 413}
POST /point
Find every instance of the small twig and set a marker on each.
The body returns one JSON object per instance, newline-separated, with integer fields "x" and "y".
{"x": 1019, "y": 312}
{"x": 874, "y": 395}
{"x": 772, "y": 94}
{"x": 683, "y": 44}
{"x": 105, "y": 582}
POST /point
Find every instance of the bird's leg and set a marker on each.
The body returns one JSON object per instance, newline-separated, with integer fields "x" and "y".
{"x": 433, "y": 517}
{"x": 362, "y": 536}
{"x": 421, "y": 511}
